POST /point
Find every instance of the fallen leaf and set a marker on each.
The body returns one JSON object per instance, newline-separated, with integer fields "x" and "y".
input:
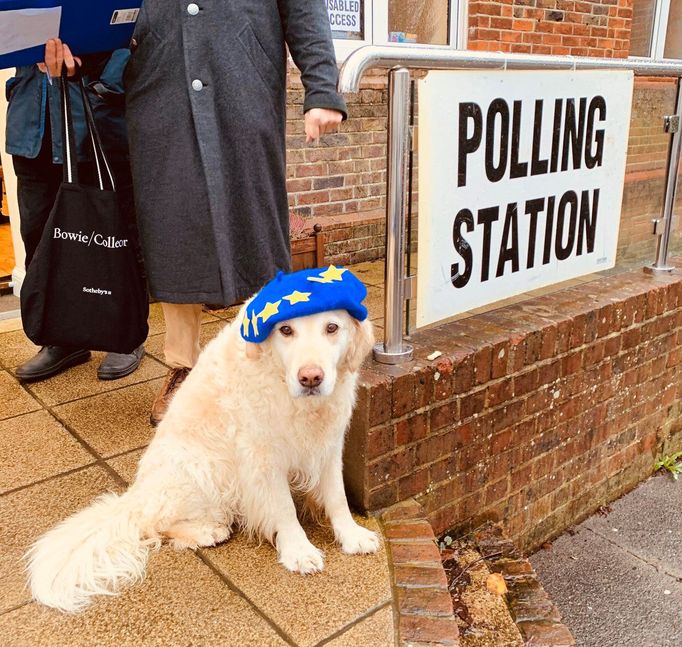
{"x": 496, "y": 584}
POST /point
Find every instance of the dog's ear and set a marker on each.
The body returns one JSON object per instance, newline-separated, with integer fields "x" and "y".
{"x": 361, "y": 342}
{"x": 253, "y": 351}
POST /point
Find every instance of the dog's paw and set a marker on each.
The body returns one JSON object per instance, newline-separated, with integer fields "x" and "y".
{"x": 358, "y": 540}
{"x": 200, "y": 535}
{"x": 301, "y": 557}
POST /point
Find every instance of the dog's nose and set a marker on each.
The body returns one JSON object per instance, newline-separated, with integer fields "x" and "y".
{"x": 310, "y": 376}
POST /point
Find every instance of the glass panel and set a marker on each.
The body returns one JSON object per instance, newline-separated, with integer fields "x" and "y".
{"x": 642, "y": 27}
{"x": 419, "y": 21}
{"x": 673, "y": 35}
{"x": 347, "y": 19}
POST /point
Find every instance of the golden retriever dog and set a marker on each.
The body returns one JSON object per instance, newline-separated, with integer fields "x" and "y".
{"x": 251, "y": 422}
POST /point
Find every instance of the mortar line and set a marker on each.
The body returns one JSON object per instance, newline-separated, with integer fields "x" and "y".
{"x": 235, "y": 589}
{"x": 91, "y": 395}
{"x": 395, "y": 609}
{"x": 53, "y": 477}
{"x": 361, "y": 618}
{"x": 69, "y": 472}
{"x": 98, "y": 457}
{"x": 15, "y": 607}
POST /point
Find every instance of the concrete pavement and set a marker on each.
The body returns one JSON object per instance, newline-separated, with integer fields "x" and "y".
{"x": 617, "y": 579}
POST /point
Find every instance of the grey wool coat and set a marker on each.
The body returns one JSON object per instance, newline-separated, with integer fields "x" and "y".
{"x": 205, "y": 98}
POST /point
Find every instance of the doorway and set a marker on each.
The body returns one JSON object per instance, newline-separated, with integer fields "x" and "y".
{"x": 11, "y": 248}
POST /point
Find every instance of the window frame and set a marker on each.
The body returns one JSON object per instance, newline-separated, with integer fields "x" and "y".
{"x": 376, "y": 28}
{"x": 659, "y": 30}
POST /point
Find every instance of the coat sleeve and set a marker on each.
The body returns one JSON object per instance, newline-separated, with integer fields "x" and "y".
{"x": 309, "y": 37}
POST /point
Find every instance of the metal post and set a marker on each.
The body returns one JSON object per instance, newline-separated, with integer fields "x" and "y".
{"x": 393, "y": 350}
{"x": 661, "y": 262}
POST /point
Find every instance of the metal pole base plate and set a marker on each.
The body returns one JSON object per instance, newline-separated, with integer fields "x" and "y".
{"x": 651, "y": 269}
{"x": 404, "y": 355}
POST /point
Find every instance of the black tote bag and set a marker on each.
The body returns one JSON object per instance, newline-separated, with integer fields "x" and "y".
{"x": 85, "y": 286}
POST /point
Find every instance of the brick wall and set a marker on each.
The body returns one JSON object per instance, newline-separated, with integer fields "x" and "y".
{"x": 551, "y": 27}
{"x": 340, "y": 183}
{"x": 536, "y": 414}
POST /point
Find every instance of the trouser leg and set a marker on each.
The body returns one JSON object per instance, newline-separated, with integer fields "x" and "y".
{"x": 183, "y": 324}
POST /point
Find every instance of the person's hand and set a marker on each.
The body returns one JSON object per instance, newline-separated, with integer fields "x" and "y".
{"x": 57, "y": 55}
{"x": 319, "y": 121}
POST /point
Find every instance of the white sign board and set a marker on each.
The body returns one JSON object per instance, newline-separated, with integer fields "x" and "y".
{"x": 520, "y": 182}
{"x": 344, "y": 15}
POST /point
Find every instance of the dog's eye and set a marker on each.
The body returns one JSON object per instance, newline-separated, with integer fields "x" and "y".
{"x": 332, "y": 328}
{"x": 286, "y": 331}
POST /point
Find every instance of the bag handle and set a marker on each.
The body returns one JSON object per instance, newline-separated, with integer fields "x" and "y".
{"x": 69, "y": 138}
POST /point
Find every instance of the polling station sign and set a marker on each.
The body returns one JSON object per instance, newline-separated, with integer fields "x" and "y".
{"x": 520, "y": 182}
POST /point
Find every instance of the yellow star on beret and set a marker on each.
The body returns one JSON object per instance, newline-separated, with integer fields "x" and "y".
{"x": 297, "y": 297}
{"x": 245, "y": 325}
{"x": 254, "y": 321}
{"x": 330, "y": 274}
{"x": 269, "y": 310}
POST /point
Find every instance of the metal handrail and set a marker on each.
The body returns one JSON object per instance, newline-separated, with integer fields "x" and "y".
{"x": 438, "y": 58}
{"x": 399, "y": 60}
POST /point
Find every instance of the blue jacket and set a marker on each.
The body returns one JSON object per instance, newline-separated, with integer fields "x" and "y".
{"x": 29, "y": 93}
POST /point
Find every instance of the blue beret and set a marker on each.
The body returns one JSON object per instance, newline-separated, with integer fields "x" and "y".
{"x": 303, "y": 293}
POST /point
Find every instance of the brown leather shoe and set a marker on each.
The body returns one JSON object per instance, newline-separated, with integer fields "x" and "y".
{"x": 175, "y": 377}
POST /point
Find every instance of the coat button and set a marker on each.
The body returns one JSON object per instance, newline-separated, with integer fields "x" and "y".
{"x": 133, "y": 44}
{"x": 192, "y": 9}
{"x": 197, "y": 85}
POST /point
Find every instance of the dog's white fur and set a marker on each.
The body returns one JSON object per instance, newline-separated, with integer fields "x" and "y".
{"x": 240, "y": 432}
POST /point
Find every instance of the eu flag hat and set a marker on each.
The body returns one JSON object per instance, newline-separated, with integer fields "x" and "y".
{"x": 303, "y": 293}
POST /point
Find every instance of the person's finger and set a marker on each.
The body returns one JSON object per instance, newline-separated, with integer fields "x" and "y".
{"x": 69, "y": 60}
{"x": 42, "y": 67}
{"x": 50, "y": 55}
{"x": 59, "y": 54}
{"x": 312, "y": 130}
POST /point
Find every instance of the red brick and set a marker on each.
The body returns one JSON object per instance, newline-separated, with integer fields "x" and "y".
{"x": 405, "y": 510}
{"x": 418, "y": 576}
{"x": 443, "y": 415}
{"x": 425, "y": 629}
{"x": 380, "y": 440}
{"x": 409, "y": 530}
{"x": 411, "y": 429}
{"x": 404, "y": 553}
{"x": 430, "y": 602}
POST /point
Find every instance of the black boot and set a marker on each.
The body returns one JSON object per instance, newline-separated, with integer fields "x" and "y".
{"x": 50, "y": 361}
{"x": 117, "y": 365}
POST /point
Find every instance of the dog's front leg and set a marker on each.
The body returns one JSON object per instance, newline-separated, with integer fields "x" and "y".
{"x": 354, "y": 539}
{"x": 271, "y": 509}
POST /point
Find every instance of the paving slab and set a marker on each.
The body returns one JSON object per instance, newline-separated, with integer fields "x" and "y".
{"x": 618, "y": 589}
{"x": 14, "y": 400}
{"x": 375, "y": 302}
{"x": 126, "y": 465}
{"x": 28, "y": 513}
{"x": 370, "y": 273}
{"x": 180, "y": 602}
{"x": 116, "y": 421}
{"x": 81, "y": 381}
{"x": 647, "y": 523}
{"x": 314, "y": 607}
{"x": 34, "y": 447}
{"x": 375, "y": 631}
{"x": 16, "y": 348}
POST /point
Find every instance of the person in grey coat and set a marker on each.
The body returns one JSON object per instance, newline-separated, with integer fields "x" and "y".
{"x": 206, "y": 109}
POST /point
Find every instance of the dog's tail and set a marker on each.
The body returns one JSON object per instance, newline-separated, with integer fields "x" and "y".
{"x": 97, "y": 551}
